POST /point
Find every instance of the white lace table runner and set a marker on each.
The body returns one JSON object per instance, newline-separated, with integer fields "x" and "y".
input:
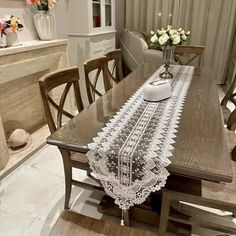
{"x": 131, "y": 153}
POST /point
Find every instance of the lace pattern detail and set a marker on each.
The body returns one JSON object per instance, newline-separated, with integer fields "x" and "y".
{"x": 130, "y": 155}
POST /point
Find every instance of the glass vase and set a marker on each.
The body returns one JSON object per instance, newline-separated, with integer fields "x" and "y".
{"x": 44, "y": 24}
{"x": 12, "y": 39}
{"x": 168, "y": 59}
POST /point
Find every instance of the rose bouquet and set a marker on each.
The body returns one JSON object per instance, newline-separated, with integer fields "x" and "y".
{"x": 169, "y": 36}
{"x": 42, "y": 5}
{"x": 167, "y": 39}
{"x": 10, "y": 24}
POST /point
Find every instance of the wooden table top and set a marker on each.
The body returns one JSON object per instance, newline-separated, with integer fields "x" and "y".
{"x": 201, "y": 148}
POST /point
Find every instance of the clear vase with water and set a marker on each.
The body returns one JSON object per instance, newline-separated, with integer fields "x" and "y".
{"x": 168, "y": 59}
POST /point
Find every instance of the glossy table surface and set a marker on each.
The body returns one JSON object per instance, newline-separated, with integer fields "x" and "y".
{"x": 201, "y": 150}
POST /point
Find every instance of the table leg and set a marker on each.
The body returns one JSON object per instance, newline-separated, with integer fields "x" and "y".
{"x": 164, "y": 214}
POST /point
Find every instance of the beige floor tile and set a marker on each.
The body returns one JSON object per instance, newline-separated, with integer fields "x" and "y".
{"x": 31, "y": 192}
{"x": 49, "y": 160}
{"x": 9, "y": 178}
{"x": 86, "y": 202}
{"x": 80, "y": 202}
{"x": 12, "y": 224}
{"x": 50, "y": 214}
{"x": 38, "y": 229}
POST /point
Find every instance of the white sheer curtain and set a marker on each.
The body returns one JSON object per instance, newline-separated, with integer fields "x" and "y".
{"x": 212, "y": 24}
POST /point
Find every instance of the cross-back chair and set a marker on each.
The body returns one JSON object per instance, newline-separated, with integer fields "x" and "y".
{"x": 185, "y": 195}
{"x": 96, "y": 70}
{"x": 115, "y": 56}
{"x": 186, "y": 54}
{"x": 229, "y": 96}
{"x": 54, "y": 113}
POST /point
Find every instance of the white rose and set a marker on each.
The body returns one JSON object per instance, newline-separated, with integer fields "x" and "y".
{"x": 184, "y": 37}
{"x": 172, "y": 32}
{"x": 169, "y": 27}
{"x": 188, "y": 33}
{"x": 161, "y": 32}
{"x": 176, "y": 40}
{"x": 152, "y": 32}
{"x": 182, "y": 32}
{"x": 154, "y": 38}
{"x": 163, "y": 39}
{"x": 180, "y": 29}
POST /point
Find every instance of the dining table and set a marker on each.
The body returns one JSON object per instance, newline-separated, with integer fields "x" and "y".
{"x": 201, "y": 148}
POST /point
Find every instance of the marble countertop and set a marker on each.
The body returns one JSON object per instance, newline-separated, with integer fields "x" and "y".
{"x": 32, "y": 45}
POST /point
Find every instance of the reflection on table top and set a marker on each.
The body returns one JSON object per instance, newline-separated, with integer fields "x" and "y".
{"x": 201, "y": 149}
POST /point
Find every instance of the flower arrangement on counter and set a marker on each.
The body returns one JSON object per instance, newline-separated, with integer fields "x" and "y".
{"x": 169, "y": 36}
{"x": 42, "y": 5}
{"x": 10, "y": 24}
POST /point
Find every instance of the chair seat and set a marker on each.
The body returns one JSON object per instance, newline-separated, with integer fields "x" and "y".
{"x": 226, "y": 113}
{"x": 71, "y": 223}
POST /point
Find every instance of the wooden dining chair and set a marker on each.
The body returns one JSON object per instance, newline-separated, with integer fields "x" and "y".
{"x": 185, "y": 195}
{"x": 230, "y": 96}
{"x": 115, "y": 73}
{"x": 96, "y": 70}
{"x": 186, "y": 54}
{"x": 71, "y": 223}
{"x": 54, "y": 113}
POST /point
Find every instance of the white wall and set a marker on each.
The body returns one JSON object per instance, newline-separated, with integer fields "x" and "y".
{"x": 61, "y": 19}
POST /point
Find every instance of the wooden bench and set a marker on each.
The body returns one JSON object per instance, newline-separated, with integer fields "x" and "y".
{"x": 74, "y": 224}
{"x": 182, "y": 194}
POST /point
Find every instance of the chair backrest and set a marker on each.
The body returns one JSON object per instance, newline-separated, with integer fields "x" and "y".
{"x": 185, "y": 54}
{"x": 230, "y": 94}
{"x": 115, "y": 73}
{"x": 94, "y": 68}
{"x": 66, "y": 77}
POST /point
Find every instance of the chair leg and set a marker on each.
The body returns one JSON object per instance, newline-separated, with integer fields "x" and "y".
{"x": 165, "y": 208}
{"x": 68, "y": 187}
{"x": 68, "y": 177}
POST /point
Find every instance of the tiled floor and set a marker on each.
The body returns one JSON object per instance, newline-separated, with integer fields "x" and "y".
{"x": 31, "y": 197}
